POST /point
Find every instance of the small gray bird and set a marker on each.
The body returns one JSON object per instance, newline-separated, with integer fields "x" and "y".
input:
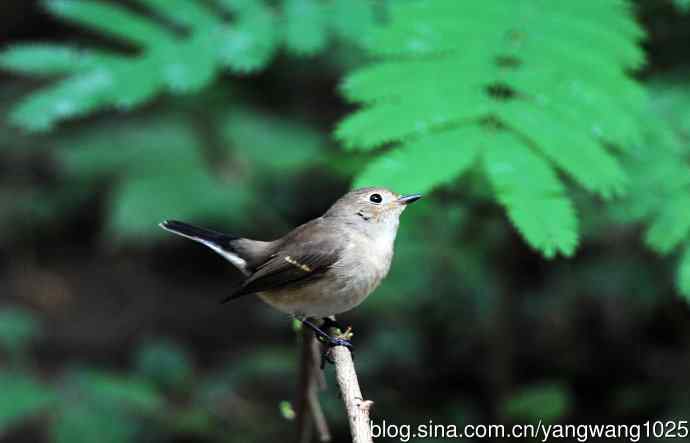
{"x": 324, "y": 267}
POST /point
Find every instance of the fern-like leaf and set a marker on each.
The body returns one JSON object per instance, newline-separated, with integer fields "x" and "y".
{"x": 167, "y": 59}
{"x": 535, "y": 201}
{"x": 250, "y": 43}
{"x": 110, "y": 19}
{"x": 183, "y": 12}
{"x": 660, "y": 176}
{"x": 305, "y": 31}
{"x": 49, "y": 59}
{"x": 683, "y": 273}
{"x": 487, "y": 69}
{"x": 420, "y": 164}
{"x": 352, "y": 19}
{"x": 671, "y": 224}
{"x": 682, "y": 5}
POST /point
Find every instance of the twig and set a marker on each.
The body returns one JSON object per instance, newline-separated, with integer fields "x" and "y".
{"x": 316, "y": 355}
{"x": 304, "y": 423}
{"x": 356, "y": 407}
{"x": 317, "y": 415}
{"x": 311, "y": 380}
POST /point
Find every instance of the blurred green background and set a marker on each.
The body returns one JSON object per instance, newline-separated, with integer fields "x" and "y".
{"x": 546, "y": 275}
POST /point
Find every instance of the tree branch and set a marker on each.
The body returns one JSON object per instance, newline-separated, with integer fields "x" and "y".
{"x": 356, "y": 407}
{"x": 311, "y": 380}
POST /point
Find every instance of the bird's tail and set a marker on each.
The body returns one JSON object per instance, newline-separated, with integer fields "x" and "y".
{"x": 223, "y": 244}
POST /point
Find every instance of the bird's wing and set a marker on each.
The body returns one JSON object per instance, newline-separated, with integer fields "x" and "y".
{"x": 291, "y": 267}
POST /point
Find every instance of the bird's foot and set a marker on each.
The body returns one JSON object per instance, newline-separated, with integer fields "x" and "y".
{"x": 342, "y": 333}
{"x": 342, "y": 338}
{"x": 346, "y": 334}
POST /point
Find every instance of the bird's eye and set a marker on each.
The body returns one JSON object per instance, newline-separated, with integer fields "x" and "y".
{"x": 375, "y": 198}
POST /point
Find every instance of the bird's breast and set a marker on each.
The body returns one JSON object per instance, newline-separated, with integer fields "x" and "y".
{"x": 362, "y": 266}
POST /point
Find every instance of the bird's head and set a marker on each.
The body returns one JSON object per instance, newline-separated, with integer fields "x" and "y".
{"x": 372, "y": 208}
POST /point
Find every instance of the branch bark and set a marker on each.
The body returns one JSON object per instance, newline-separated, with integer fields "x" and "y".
{"x": 310, "y": 416}
{"x": 356, "y": 407}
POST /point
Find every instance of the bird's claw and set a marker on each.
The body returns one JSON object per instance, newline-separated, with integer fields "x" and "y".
{"x": 326, "y": 356}
{"x": 342, "y": 339}
{"x": 346, "y": 335}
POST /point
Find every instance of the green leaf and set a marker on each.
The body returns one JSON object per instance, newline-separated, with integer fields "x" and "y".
{"x": 110, "y": 19}
{"x": 305, "y": 26}
{"x": 535, "y": 200}
{"x": 562, "y": 101}
{"x": 683, "y": 275}
{"x": 18, "y": 327}
{"x": 190, "y": 13}
{"x": 141, "y": 202}
{"x": 84, "y": 422}
{"x": 682, "y": 5}
{"x": 421, "y": 165}
{"x": 289, "y": 146}
{"x": 49, "y": 59}
{"x": 671, "y": 225}
{"x": 189, "y": 65}
{"x": 73, "y": 97}
{"x": 660, "y": 175}
{"x": 546, "y": 402}
{"x": 168, "y": 59}
{"x": 114, "y": 391}
{"x": 352, "y": 20}
{"x": 164, "y": 362}
{"x": 585, "y": 160}
{"x": 144, "y": 146}
{"x": 102, "y": 81}
{"x": 161, "y": 174}
{"x": 251, "y": 41}
{"x": 22, "y": 398}
{"x": 262, "y": 363}
{"x": 286, "y": 410}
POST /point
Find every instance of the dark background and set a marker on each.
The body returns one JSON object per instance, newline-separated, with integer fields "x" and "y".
{"x": 472, "y": 326}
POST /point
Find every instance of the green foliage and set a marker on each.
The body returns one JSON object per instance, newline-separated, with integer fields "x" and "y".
{"x": 286, "y": 410}
{"x": 103, "y": 406}
{"x": 660, "y": 175}
{"x": 84, "y": 423}
{"x": 147, "y": 158}
{"x": 164, "y": 362}
{"x": 18, "y": 328}
{"x": 269, "y": 362}
{"x": 289, "y": 146}
{"x": 462, "y": 83}
{"x": 304, "y": 32}
{"x": 162, "y": 166}
{"x": 682, "y": 5}
{"x": 683, "y": 278}
{"x": 115, "y": 390}
{"x": 22, "y": 397}
{"x": 167, "y": 60}
{"x": 545, "y": 402}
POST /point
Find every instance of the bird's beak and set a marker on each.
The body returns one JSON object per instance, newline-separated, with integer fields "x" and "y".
{"x": 407, "y": 199}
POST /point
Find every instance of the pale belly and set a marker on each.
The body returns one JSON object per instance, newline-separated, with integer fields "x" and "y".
{"x": 331, "y": 295}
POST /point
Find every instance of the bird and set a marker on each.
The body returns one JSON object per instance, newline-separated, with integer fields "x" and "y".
{"x": 321, "y": 268}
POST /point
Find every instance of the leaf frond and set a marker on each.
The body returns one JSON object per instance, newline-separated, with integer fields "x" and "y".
{"x": 447, "y": 64}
